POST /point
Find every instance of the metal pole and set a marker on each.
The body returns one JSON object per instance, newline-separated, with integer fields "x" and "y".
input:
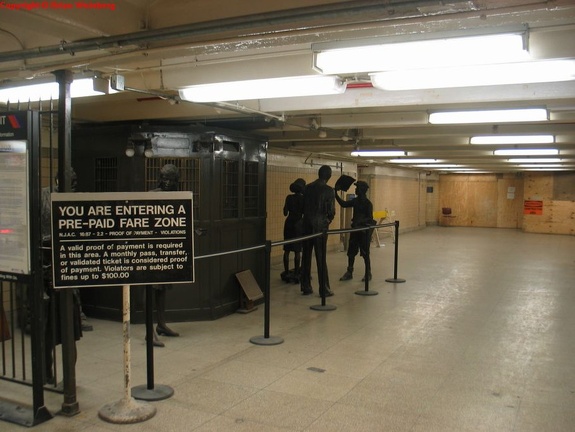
{"x": 366, "y": 291}
{"x": 36, "y": 288}
{"x": 396, "y": 255}
{"x": 322, "y": 272}
{"x": 127, "y": 409}
{"x": 150, "y": 391}
{"x": 266, "y": 339}
{"x": 267, "y": 289}
{"x": 126, "y": 329}
{"x": 149, "y": 336}
{"x": 70, "y": 405}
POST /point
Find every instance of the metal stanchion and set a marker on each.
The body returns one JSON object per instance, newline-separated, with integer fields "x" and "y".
{"x": 266, "y": 339}
{"x": 366, "y": 291}
{"x": 127, "y": 409}
{"x": 395, "y": 279}
{"x": 151, "y": 391}
{"x": 322, "y": 272}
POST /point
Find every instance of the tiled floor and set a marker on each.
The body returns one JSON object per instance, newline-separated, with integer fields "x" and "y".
{"x": 480, "y": 337}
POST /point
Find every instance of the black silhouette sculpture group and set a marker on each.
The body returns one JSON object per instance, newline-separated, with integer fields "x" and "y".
{"x": 310, "y": 209}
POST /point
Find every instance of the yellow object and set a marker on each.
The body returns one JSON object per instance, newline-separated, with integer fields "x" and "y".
{"x": 380, "y": 214}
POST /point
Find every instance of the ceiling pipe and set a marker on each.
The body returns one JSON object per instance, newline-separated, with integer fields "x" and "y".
{"x": 294, "y": 17}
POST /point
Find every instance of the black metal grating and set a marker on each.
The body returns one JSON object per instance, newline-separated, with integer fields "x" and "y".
{"x": 230, "y": 207}
{"x": 251, "y": 189}
{"x": 189, "y": 176}
{"x": 106, "y": 175}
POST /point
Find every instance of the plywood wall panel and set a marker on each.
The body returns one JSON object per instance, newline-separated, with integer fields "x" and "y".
{"x": 510, "y": 202}
{"x": 483, "y": 202}
{"x": 486, "y": 200}
{"x": 558, "y": 216}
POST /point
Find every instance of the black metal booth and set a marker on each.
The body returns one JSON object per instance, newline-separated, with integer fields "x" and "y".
{"x": 225, "y": 170}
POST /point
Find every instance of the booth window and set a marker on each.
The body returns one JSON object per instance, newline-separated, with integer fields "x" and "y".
{"x": 106, "y": 175}
{"x": 251, "y": 189}
{"x": 230, "y": 189}
{"x": 189, "y": 176}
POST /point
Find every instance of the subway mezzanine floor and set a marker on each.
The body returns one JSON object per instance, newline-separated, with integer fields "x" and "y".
{"x": 478, "y": 338}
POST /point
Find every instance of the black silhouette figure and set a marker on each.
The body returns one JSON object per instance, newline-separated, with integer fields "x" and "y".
{"x": 168, "y": 182}
{"x": 359, "y": 241}
{"x": 318, "y": 212}
{"x": 293, "y": 227}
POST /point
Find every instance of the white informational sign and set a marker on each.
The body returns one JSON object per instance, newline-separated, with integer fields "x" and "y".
{"x": 14, "y": 211}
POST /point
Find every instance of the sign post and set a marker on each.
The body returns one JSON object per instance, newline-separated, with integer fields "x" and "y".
{"x": 103, "y": 239}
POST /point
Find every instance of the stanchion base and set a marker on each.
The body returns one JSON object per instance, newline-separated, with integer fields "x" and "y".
{"x": 366, "y": 293}
{"x": 14, "y": 412}
{"x": 127, "y": 411}
{"x": 395, "y": 280}
{"x": 159, "y": 392}
{"x": 261, "y": 340}
{"x": 323, "y": 307}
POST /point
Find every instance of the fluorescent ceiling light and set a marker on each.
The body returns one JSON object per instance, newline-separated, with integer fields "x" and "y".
{"x": 49, "y": 90}
{"x": 431, "y": 166}
{"x": 512, "y": 139}
{"x": 548, "y": 169}
{"x": 311, "y": 85}
{"x": 379, "y": 153}
{"x": 453, "y": 51}
{"x": 534, "y": 160}
{"x": 540, "y": 166}
{"x": 489, "y": 116}
{"x": 414, "y": 161}
{"x": 471, "y": 76}
{"x": 526, "y": 152}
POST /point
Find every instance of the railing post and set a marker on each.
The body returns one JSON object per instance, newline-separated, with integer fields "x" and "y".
{"x": 395, "y": 259}
{"x": 150, "y": 391}
{"x": 266, "y": 339}
{"x": 367, "y": 259}
{"x": 322, "y": 272}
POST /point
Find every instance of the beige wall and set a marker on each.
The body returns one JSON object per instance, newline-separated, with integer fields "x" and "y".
{"x": 395, "y": 190}
{"x": 402, "y": 192}
{"x": 282, "y": 170}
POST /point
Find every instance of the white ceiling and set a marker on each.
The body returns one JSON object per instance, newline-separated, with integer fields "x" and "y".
{"x": 160, "y": 46}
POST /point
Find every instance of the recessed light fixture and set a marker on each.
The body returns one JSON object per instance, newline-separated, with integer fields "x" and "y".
{"x": 478, "y": 75}
{"x": 386, "y": 54}
{"x": 512, "y": 139}
{"x": 431, "y": 166}
{"x": 526, "y": 152}
{"x": 414, "y": 161}
{"x": 489, "y": 116}
{"x": 534, "y": 160}
{"x": 378, "y": 153}
{"x": 45, "y": 91}
{"x": 311, "y": 85}
{"x": 540, "y": 165}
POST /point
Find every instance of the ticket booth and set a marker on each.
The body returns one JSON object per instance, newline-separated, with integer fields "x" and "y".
{"x": 226, "y": 172}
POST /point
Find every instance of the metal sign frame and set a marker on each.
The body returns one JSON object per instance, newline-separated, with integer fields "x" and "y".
{"x": 122, "y": 238}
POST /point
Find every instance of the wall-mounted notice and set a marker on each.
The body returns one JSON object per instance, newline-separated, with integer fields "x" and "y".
{"x": 132, "y": 238}
{"x": 14, "y": 220}
{"x": 532, "y": 207}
